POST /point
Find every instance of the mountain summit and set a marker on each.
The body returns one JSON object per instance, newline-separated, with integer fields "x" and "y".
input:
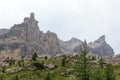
{"x": 68, "y": 46}
{"x": 26, "y": 38}
{"x": 98, "y": 48}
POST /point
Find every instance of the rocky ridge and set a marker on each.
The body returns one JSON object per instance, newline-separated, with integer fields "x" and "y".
{"x": 68, "y": 46}
{"x": 26, "y": 38}
{"x": 3, "y": 31}
{"x": 98, "y": 48}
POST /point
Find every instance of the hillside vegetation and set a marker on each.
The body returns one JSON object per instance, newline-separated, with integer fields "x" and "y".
{"x": 64, "y": 67}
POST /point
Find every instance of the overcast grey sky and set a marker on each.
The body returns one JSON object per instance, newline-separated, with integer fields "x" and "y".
{"x": 84, "y": 19}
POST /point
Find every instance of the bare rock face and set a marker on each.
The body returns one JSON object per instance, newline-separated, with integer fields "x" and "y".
{"x": 68, "y": 46}
{"x": 98, "y": 48}
{"x": 27, "y": 31}
{"x": 26, "y": 38}
{"x": 101, "y": 48}
{"x": 3, "y": 31}
{"x": 50, "y": 41}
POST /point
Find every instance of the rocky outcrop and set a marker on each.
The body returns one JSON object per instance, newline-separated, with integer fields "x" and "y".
{"x": 101, "y": 48}
{"x": 27, "y": 31}
{"x": 3, "y": 31}
{"x": 50, "y": 41}
{"x": 68, "y": 46}
{"x": 26, "y": 38}
{"x": 98, "y": 48}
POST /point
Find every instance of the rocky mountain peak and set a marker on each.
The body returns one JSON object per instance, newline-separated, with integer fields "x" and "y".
{"x": 26, "y": 38}
{"x": 101, "y": 39}
{"x": 68, "y": 46}
{"x": 31, "y": 19}
{"x": 32, "y": 16}
{"x": 74, "y": 40}
{"x": 99, "y": 47}
{"x": 27, "y": 30}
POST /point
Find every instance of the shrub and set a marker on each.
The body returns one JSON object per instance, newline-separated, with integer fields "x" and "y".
{"x": 39, "y": 66}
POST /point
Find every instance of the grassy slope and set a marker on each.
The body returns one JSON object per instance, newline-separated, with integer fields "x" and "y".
{"x": 56, "y": 73}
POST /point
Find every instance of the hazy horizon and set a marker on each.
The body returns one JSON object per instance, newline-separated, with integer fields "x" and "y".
{"x": 68, "y": 18}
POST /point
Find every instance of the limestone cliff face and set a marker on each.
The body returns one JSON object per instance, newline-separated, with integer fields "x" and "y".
{"x": 98, "y": 48}
{"x": 27, "y": 31}
{"x": 101, "y": 48}
{"x": 3, "y": 31}
{"x": 50, "y": 41}
{"x": 25, "y": 38}
{"x": 68, "y": 46}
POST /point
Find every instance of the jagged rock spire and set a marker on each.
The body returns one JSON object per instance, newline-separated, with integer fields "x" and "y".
{"x": 101, "y": 39}
{"x": 26, "y": 38}
{"x": 32, "y": 16}
{"x": 30, "y": 19}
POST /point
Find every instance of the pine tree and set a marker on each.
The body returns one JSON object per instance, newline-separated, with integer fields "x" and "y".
{"x": 11, "y": 62}
{"x": 98, "y": 74}
{"x": 46, "y": 57}
{"x": 63, "y": 61}
{"x": 109, "y": 71}
{"x": 82, "y": 68}
{"x": 19, "y": 63}
{"x": 1, "y": 78}
{"x": 101, "y": 63}
{"x": 4, "y": 69}
{"x": 48, "y": 77}
{"x": 16, "y": 77}
{"x": 93, "y": 58}
{"x": 34, "y": 57}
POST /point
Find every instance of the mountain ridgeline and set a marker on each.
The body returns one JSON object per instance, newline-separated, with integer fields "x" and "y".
{"x": 26, "y": 38}
{"x": 97, "y": 48}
